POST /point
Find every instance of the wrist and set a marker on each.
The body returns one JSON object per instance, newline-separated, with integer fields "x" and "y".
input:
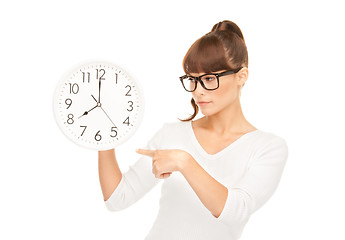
{"x": 186, "y": 164}
{"x": 106, "y": 152}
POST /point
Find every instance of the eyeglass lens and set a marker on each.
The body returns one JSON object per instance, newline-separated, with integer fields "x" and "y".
{"x": 210, "y": 82}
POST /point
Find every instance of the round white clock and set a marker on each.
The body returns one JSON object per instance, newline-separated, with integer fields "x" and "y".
{"x": 98, "y": 105}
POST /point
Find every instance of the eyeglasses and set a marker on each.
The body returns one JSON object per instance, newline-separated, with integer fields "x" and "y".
{"x": 207, "y": 81}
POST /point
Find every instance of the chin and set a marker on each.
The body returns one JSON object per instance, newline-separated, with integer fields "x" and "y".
{"x": 207, "y": 112}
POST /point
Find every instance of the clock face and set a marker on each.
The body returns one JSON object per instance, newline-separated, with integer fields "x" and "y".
{"x": 98, "y": 105}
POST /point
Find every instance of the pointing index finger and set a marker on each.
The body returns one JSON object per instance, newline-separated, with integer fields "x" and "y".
{"x": 146, "y": 152}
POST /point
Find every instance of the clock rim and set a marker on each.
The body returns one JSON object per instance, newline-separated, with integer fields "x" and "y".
{"x": 62, "y": 80}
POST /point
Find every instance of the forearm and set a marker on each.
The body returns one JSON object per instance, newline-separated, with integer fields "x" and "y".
{"x": 211, "y": 193}
{"x": 109, "y": 172}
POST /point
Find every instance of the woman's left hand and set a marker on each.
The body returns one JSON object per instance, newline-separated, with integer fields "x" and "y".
{"x": 164, "y": 162}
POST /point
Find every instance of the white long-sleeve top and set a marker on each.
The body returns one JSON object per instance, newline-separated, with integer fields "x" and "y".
{"x": 250, "y": 168}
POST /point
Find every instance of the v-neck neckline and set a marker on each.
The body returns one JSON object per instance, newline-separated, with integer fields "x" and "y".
{"x": 221, "y": 152}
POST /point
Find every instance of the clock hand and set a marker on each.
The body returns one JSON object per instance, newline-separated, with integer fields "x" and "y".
{"x": 94, "y": 98}
{"x": 99, "y": 90}
{"x": 108, "y": 116}
{"x": 100, "y": 105}
{"x": 87, "y": 112}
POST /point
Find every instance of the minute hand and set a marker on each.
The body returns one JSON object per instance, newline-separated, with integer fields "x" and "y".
{"x": 99, "y": 90}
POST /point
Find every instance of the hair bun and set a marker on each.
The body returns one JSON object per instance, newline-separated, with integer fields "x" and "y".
{"x": 228, "y": 26}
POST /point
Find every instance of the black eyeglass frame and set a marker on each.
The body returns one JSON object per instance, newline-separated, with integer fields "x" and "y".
{"x": 198, "y": 79}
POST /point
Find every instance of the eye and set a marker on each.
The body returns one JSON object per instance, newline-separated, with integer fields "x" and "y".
{"x": 191, "y": 79}
{"x": 208, "y": 78}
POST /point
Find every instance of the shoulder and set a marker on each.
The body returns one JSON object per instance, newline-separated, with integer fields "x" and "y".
{"x": 174, "y": 126}
{"x": 168, "y": 132}
{"x": 265, "y": 137}
{"x": 171, "y": 128}
{"x": 268, "y": 144}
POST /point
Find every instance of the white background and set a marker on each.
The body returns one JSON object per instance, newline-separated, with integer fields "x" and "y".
{"x": 50, "y": 187}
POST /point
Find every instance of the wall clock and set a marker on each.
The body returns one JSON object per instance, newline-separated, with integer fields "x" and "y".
{"x": 98, "y": 105}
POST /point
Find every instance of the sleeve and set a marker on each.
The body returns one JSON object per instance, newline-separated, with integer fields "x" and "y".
{"x": 137, "y": 181}
{"x": 257, "y": 186}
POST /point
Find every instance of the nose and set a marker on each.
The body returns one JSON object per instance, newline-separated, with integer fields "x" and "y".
{"x": 199, "y": 90}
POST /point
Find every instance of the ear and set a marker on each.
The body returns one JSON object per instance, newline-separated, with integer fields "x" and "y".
{"x": 242, "y": 76}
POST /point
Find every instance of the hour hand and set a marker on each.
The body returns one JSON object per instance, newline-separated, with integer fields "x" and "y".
{"x": 87, "y": 112}
{"x": 94, "y": 98}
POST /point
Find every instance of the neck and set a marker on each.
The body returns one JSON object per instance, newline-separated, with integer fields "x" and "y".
{"x": 228, "y": 121}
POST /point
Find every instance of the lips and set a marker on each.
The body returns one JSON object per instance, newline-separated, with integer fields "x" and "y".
{"x": 203, "y": 103}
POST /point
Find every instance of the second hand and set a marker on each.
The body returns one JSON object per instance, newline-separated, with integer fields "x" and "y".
{"x": 100, "y": 105}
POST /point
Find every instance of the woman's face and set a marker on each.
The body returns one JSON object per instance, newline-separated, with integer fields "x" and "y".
{"x": 224, "y": 96}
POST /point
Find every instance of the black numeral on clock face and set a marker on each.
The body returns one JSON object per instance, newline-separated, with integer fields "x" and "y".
{"x": 86, "y": 77}
{"x": 100, "y": 73}
{"x": 113, "y": 129}
{"x": 98, "y": 137}
{"x": 70, "y": 118}
{"x": 126, "y": 121}
{"x": 127, "y": 94}
{"x": 73, "y": 88}
{"x": 83, "y": 130}
{"x": 68, "y": 102}
{"x": 131, "y": 105}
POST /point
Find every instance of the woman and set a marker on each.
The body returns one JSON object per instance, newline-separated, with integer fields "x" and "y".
{"x": 217, "y": 170}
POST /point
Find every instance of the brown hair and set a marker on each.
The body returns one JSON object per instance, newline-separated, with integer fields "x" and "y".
{"x": 223, "y": 48}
